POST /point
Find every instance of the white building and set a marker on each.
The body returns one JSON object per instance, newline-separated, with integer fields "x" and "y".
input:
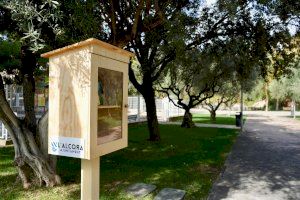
{"x": 14, "y": 96}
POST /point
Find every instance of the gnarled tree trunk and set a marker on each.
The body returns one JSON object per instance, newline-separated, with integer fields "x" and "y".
{"x": 28, "y": 65}
{"x": 32, "y": 161}
{"x": 32, "y": 165}
{"x": 152, "y": 121}
{"x": 277, "y": 104}
{"x": 43, "y": 135}
{"x": 212, "y": 115}
{"x": 187, "y": 121}
{"x": 147, "y": 91}
{"x": 267, "y": 97}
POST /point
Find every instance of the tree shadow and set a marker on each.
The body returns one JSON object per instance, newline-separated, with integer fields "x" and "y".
{"x": 189, "y": 160}
{"x": 264, "y": 162}
{"x": 168, "y": 163}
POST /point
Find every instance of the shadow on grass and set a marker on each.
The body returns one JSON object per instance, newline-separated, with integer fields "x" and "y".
{"x": 5, "y": 166}
{"x": 69, "y": 169}
{"x": 188, "y": 159}
{"x": 169, "y": 163}
{"x": 262, "y": 163}
{"x": 205, "y": 119}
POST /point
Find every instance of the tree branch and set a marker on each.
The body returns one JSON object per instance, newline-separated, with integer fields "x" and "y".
{"x": 4, "y": 106}
{"x": 113, "y": 22}
{"x": 163, "y": 64}
{"x": 133, "y": 79}
{"x": 136, "y": 20}
{"x": 173, "y": 90}
{"x": 136, "y": 51}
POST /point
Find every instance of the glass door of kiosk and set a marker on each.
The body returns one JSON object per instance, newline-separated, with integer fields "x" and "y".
{"x": 110, "y": 105}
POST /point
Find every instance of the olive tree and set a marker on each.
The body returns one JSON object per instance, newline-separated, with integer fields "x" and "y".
{"x": 227, "y": 94}
{"x": 193, "y": 78}
{"x": 32, "y": 27}
{"x": 43, "y": 25}
{"x": 277, "y": 91}
{"x": 26, "y": 22}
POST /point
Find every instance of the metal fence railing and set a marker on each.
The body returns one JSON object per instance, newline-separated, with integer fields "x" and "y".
{"x": 136, "y": 110}
{"x": 4, "y": 135}
{"x": 164, "y": 109}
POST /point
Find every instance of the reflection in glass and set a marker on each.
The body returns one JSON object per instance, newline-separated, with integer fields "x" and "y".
{"x": 110, "y": 96}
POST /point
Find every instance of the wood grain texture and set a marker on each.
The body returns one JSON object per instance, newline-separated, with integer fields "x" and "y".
{"x": 69, "y": 95}
{"x": 73, "y": 95}
{"x": 90, "y": 179}
{"x": 99, "y": 62}
{"x": 91, "y": 42}
{"x": 114, "y": 55}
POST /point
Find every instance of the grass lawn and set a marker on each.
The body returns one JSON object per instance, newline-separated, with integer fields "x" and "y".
{"x": 205, "y": 119}
{"x": 188, "y": 159}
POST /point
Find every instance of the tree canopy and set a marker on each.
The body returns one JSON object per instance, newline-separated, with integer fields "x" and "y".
{"x": 164, "y": 35}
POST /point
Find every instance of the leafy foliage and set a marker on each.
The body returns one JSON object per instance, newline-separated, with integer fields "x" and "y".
{"x": 291, "y": 86}
{"x": 9, "y": 56}
{"x": 194, "y": 77}
{"x": 278, "y": 89}
{"x": 228, "y": 95}
{"x": 33, "y": 19}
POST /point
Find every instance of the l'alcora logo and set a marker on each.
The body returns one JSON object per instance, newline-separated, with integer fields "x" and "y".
{"x": 73, "y": 147}
{"x": 54, "y": 146}
{"x": 66, "y": 147}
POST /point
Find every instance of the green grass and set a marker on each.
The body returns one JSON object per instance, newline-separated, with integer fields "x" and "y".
{"x": 205, "y": 119}
{"x": 188, "y": 159}
{"x": 220, "y": 119}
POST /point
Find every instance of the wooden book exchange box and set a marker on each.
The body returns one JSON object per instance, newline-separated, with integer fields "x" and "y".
{"x": 88, "y": 91}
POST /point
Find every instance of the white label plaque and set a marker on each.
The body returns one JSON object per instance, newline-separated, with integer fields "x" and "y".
{"x": 66, "y": 146}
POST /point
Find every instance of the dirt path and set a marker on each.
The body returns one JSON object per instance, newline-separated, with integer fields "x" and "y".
{"x": 264, "y": 163}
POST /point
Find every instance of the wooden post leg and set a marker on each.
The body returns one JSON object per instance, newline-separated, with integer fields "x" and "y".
{"x": 90, "y": 176}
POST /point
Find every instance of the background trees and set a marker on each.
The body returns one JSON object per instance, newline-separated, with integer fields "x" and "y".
{"x": 27, "y": 26}
{"x": 157, "y": 31}
{"x": 193, "y": 78}
{"x": 227, "y": 95}
{"x": 157, "y": 47}
{"x": 147, "y": 28}
{"x": 276, "y": 84}
{"x": 277, "y": 91}
{"x": 154, "y": 50}
{"x": 43, "y": 25}
{"x": 288, "y": 87}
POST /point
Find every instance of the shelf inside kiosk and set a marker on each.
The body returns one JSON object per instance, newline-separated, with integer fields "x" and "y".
{"x": 110, "y": 101}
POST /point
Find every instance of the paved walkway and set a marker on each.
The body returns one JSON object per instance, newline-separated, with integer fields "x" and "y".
{"x": 264, "y": 163}
{"x": 206, "y": 125}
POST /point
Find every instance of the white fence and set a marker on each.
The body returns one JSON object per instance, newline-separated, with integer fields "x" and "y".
{"x": 136, "y": 111}
{"x": 3, "y": 132}
{"x": 164, "y": 108}
{"x": 14, "y": 96}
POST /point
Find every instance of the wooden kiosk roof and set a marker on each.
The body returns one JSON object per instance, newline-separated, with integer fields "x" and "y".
{"x": 86, "y": 43}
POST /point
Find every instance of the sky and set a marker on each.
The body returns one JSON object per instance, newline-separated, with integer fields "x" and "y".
{"x": 210, "y": 2}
